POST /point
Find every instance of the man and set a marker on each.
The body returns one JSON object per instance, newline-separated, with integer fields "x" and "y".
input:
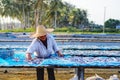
{"x": 43, "y": 45}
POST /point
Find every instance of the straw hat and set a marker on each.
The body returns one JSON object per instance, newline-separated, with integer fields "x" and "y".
{"x": 41, "y": 31}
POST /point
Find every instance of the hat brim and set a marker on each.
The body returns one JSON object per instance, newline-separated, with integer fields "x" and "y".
{"x": 49, "y": 30}
{"x": 35, "y": 35}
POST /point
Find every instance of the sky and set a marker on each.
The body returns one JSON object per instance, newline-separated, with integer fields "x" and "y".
{"x": 99, "y": 10}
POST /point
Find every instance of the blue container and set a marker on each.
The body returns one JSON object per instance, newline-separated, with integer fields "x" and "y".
{"x": 6, "y": 53}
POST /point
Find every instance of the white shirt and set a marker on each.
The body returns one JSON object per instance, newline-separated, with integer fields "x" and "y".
{"x": 41, "y": 51}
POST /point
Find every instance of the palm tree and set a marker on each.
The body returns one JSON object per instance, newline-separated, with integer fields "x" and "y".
{"x": 53, "y": 12}
{"x": 48, "y": 12}
{"x": 80, "y": 18}
{"x": 66, "y": 15}
{"x": 19, "y": 9}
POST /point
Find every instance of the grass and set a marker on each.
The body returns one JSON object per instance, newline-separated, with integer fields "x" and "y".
{"x": 60, "y": 73}
{"x": 63, "y": 30}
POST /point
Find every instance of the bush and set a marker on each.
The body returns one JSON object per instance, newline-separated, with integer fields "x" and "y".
{"x": 66, "y": 29}
{"x": 19, "y": 30}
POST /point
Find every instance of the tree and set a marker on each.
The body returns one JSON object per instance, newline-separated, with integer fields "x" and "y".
{"x": 19, "y": 9}
{"x": 48, "y": 12}
{"x": 112, "y": 23}
{"x": 53, "y": 12}
{"x": 79, "y": 18}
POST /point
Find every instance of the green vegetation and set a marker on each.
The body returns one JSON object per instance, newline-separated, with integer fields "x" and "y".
{"x": 62, "y": 16}
{"x": 66, "y": 30}
{"x": 19, "y": 30}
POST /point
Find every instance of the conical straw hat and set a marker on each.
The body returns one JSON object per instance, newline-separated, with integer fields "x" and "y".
{"x": 41, "y": 31}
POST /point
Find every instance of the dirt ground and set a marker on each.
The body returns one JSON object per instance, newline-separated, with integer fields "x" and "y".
{"x": 60, "y": 73}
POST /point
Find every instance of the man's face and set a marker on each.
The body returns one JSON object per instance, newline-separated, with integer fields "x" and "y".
{"x": 43, "y": 38}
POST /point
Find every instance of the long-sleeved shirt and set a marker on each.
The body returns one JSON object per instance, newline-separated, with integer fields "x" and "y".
{"x": 40, "y": 50}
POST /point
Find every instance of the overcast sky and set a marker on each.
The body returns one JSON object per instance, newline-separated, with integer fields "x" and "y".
{"x": 99, "y": 10}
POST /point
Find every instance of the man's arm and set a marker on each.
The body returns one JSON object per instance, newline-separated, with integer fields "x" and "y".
{"x": 55, "y": 47}
{"x": 30, "y": 50}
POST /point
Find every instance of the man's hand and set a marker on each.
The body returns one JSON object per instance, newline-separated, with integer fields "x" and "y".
{"x": 28, "y": 57}
{"x": 60, "y": 54}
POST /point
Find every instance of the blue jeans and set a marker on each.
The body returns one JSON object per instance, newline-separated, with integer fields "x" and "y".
{"x": 40, "y": 73}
